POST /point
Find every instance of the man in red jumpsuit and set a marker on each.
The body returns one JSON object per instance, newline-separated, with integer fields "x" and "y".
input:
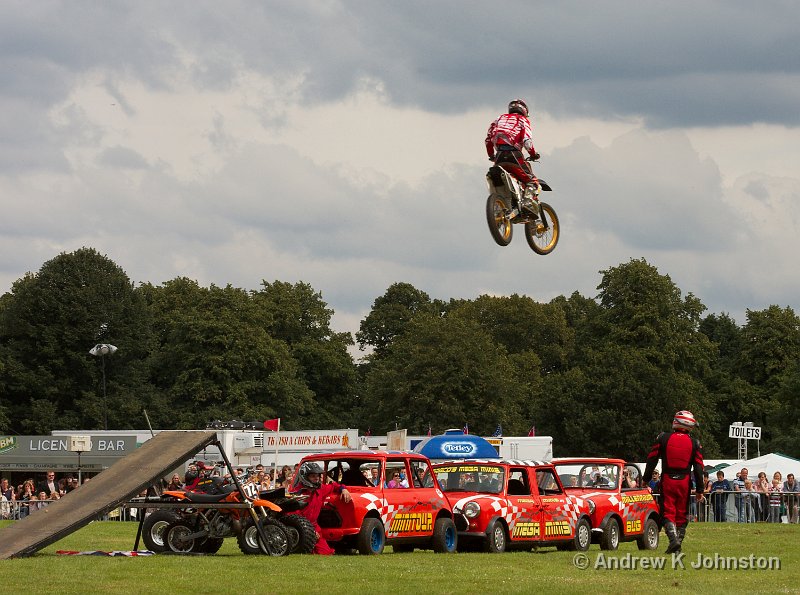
{"x": 309, "y": 483}
{"x": 506, "y": 138}
{"x": 680, "y": 455}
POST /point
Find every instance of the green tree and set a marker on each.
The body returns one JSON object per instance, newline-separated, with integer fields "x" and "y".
{"x": 391, "y": 314}
{"x": 444, "y": 372}
{"x": 48, "y": 323}
{"x": 302, "y": 319}
{"x": 639, "y": 359}
{"x": 215, "y": 358}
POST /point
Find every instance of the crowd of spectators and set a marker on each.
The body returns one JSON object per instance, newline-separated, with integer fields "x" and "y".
{"x": 17, "y": 502}
{"x": 755, "y": 499}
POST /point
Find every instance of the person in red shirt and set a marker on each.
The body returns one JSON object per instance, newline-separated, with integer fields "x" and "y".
{"x": 309, "y": 483}
{"x": 680, "y": 455}
{"x": 508, "y": 135}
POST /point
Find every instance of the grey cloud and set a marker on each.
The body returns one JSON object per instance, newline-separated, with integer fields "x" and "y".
{"x": 713, "y": 63}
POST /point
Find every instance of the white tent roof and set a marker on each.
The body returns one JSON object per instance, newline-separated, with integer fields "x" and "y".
{"x": 769, "y": 463}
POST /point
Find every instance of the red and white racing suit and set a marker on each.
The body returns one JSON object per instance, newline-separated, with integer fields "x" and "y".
{"x": 316, "y": 498}
{"x": 506, "y": 138}
{"x": 680, "y": 455}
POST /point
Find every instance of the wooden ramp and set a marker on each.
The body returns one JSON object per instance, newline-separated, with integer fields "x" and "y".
{"x": 119, "y": 483}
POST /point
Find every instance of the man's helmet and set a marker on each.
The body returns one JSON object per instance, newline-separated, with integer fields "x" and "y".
{"x": 684, "y": 420}
{"x": 307, "y": 469}
{"x": 517, "y": 106}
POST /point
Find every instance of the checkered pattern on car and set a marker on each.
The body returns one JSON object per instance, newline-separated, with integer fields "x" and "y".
{"x": 500, "y": 507}
{"x": 386, "y": 511}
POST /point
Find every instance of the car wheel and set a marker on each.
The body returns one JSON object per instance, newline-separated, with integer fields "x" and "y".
{"x": 445, "y": 536}
{"x": 496, "y": 539}
{"x": 648, "y": 540}
{"x": 610, "y": 538}
{"x": 371, "y": 538}
{"x": 583, "y": 536}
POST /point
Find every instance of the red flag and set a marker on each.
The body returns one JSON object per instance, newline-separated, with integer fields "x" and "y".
{"x": 272, "y": 424}
{"x": 532, "y": 431}
{"x": 429, "y": 430}
{"x": 466, "y": 428}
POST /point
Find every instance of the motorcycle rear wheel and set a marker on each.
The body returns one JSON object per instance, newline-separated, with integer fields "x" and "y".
{"x": 500, "y": 225}
{"x": 177, "y": 540}
{"x": 541, "y": 240}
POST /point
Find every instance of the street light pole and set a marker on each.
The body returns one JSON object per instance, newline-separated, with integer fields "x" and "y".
{"x": 101, "y": 350}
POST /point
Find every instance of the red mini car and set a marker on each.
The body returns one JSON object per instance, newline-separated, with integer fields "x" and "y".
{"x": 622, "y": 510}
{"x": 499, "y": 504}
{"x": 395, "y": 501}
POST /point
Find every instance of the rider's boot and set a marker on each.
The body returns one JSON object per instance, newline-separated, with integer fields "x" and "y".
{"x": 528, "y": 203}
{"x": 681, "y": 533}
{"x": 674, "y": 541}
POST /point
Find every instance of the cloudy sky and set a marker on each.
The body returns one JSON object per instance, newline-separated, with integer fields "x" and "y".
{"x": 340, "y": 143}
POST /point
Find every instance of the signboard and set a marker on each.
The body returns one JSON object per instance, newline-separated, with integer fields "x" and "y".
{"x": 746, "y": 432}
{"x": 53, "y": 452}
{"x": 312, "y": 441}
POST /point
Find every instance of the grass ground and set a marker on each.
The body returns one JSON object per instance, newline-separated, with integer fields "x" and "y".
{"x": 544, "y": 570}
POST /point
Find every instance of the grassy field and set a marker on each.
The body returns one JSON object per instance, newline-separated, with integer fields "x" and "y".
{"x": 545, "y": 570}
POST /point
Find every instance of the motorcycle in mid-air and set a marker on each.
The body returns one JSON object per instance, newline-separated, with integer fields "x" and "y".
{"x": 508, "y": 204}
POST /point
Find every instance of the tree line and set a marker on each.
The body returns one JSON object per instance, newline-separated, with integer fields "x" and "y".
{"x": 602, "y": 375}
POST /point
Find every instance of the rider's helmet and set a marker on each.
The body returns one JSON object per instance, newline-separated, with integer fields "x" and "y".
{"x": 306, "y": 469}
{"x": 517, "y": 106}
{"x": 684, "y": 420}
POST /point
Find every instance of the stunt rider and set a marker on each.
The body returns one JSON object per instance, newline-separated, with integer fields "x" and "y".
{"x": 680, "y": 455}
{"x": 309, "y": 483}
{"x": 506, "y": 138}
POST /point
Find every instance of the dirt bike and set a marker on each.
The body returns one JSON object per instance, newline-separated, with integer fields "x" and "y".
{"x": 202, "y": 529}
{"x": 508, "y": 204}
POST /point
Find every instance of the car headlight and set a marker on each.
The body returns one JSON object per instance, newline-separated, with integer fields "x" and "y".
{"x": 591, "y": 506}
{"x": 472, "y": 509}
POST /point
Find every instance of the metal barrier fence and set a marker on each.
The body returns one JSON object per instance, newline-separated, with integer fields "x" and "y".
{"x": 745, "y": 507}
{"x": 17, "y": 510}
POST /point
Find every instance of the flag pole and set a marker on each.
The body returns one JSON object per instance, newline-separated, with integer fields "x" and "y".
{"x": 277, "y": 442}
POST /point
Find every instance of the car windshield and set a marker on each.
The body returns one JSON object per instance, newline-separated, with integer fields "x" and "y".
{"x": 598, "y": 476}
{"x": 486, "y": 479}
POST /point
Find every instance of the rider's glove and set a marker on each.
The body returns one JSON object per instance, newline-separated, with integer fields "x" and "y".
{"x": 535, "y": 156}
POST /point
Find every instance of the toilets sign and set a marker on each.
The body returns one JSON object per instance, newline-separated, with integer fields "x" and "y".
{"x": 744, "y": 432}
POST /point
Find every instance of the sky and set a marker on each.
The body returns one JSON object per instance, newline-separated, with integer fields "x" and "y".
{"x": 340, "y": 143}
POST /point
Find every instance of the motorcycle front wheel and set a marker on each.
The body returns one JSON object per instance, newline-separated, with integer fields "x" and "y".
{"x": 499, "y": 224}
{"x": 541, "y": 239}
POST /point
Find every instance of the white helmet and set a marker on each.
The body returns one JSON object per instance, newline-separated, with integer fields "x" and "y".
{"x": 684, "y": 420}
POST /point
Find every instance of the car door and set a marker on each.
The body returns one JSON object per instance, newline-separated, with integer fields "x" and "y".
{"x": 408, "y": 511}
{"x": 558, "y": 514}
{"x": 523, "y": 513}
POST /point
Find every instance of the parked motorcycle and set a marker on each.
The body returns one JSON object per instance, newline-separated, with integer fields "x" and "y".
{"x": 203, "y": 529}
{"x": 508, "y": 205}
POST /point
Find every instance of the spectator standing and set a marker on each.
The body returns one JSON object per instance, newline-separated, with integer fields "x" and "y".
{"x": 49, "y": 485}
{"x": 750, "y": 500}
{"x": 175, "y": 482}
{"x": 654, "y": 483}
{"x": 775, "y": 501}
{"x": 763, "y": 487}
{"x": 738, "y": 498}
{"x": 719, "y": 502}
{"x": 791, "y": 492}
{"x": 8, "y": 499}
{"x": 703, "y": 513}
